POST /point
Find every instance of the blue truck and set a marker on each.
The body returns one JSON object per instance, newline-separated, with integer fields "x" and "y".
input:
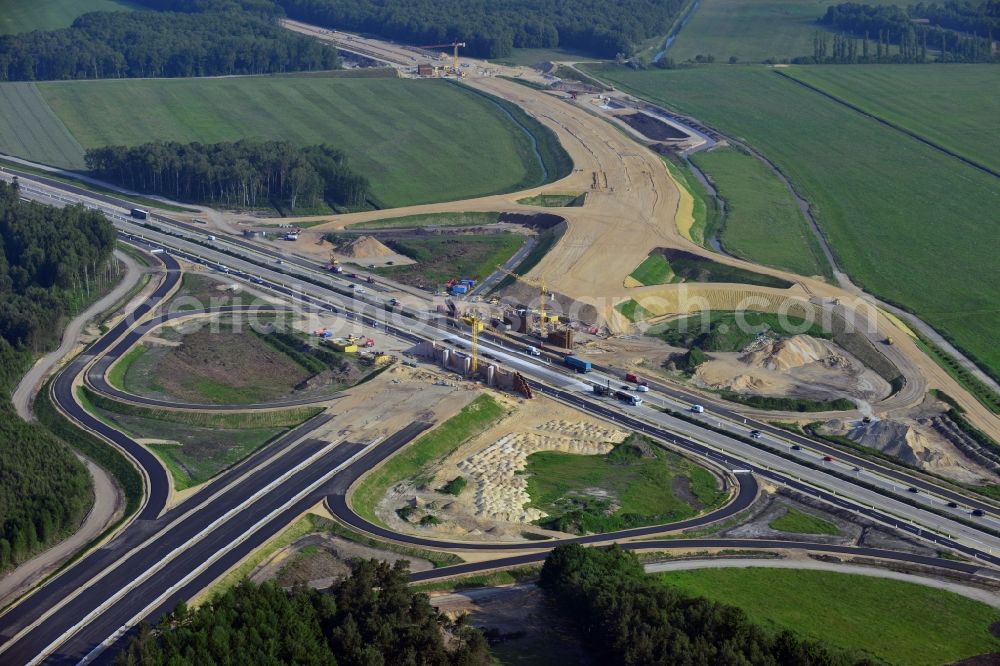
{"x": 578, "y": 364}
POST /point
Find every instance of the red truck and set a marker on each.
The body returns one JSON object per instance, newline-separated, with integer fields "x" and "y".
{"x": 634, "y": 378}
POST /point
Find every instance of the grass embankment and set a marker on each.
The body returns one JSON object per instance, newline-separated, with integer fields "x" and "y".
{"x": 637, "y": 483}
{"x": 931, "y": 249}
{"x": 198, "y": 292}
{"x": 799, "y": 522}
{"x": 856, "y": 613}
{"x": 28, "y": 15}
{"x": 675, "y": 266}
{"x": 705, "y": 209}
{"x": 944, "y": 105}
{"x": 759, "y": 208}
{"x": 397, "y": 132}
{"x": 752, "y": 30}
{"x": 430, "y": 220}
{"x": 197, "y": 445}
{"x": 544, "y": 241}
{"x": 632, "y": 311}
{"x": 727, "y": 331}
{"x": 970, "y": 382}
{"x": 441, "y": 258}
{"x": 782, "y": 404}
{"x": 555, "y": 200}
{"x": 412, "y": 461}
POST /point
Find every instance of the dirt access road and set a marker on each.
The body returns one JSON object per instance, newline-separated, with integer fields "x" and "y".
{"x": 108, "y": 501}
{"x": 634, "y": 206}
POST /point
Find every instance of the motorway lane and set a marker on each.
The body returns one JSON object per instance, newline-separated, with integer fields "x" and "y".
{"x": 158, "y": 489}
{"x": 714, "y": 409}
{"x": 147, "y": 536}
{"x": 556, "y": 374}
{"x": 685, "y": 544}
{"x": 162, "y": 587}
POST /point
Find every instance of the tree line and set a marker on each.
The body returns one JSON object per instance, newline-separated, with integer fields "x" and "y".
{"x": 244, "y": 174}
{"x": 953, "y": 32}
{"x": 371, "y": 618}
{"x": 491, "y": 28}
{"x": 51, "y": 260}
{"x": 202, "y": 39}
{"x": 625, "y": 617}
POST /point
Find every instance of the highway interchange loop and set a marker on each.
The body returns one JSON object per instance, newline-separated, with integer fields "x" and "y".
{"x": 162, "y": 557}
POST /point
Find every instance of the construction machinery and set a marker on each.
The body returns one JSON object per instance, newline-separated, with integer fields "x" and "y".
{"x": 475, "y": 323}
{"x": 544, "y": 295}
{"x": 453, "y": 45}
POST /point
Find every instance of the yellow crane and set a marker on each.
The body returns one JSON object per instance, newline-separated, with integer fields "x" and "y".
{"x": 453, "y": 45}
{"x": 475, "y": 323}
{"x": 543, "y": 295}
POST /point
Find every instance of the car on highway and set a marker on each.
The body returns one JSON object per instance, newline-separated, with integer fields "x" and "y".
{"x": 642, "y": 388}
{"x": 755, "y": 434}
{"x": 952, "y": 505}
{"x": 978, "y": 513}
{"x": 256, "y": 280}
{"x": 912, "y": 489}
{"x": 697, "y": 409}
{"x": 857, "y": 469}
{"x": 796, "y": 447}
{"x": 827, "y": 458}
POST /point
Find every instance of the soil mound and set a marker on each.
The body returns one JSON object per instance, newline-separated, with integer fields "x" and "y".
{"x": 363, "y": 247}
{"x": 793, "y": 352}
{"x": 914, "y": 443}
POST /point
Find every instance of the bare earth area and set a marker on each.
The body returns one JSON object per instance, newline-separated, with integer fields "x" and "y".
{"x": 493, "y": 504}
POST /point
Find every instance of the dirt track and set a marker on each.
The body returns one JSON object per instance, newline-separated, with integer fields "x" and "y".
{"x": 634, "y": 206}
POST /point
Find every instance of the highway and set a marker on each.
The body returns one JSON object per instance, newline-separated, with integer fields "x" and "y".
{"x": 160, "y": 559}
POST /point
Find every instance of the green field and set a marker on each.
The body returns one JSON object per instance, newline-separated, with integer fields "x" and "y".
{"x": 800, "y": 522}
{"x": 200, "y": 444}
{"x": 637, "y": 483}
{"x": 728, "y": 331}
{"x": 857, "y": 613}
{"x": 555, "y": 200}
{"x": 430, "y": 220}
{"x": 441, "y": 258}
{"x": 29, "y": 128}
{"x": 412, "y": 461}
{"x": 763, "y": 223}
{"x": 28, "y": 15}
{"x": 946, "y": 105}
{"x": 668, "y": 266}
{"x": 402, "y": 134}
{"x": 751, "y": 30}
{"x": 907, "y": 222}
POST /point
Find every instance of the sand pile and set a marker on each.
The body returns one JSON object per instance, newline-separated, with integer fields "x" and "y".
{"x": 501, "y": 491}
{"x": 913, "y": 443}
{"x": 793, "y": 352}
{"x": 363, "y": 247}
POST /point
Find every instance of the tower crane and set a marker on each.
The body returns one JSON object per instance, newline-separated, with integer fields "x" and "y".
{"x": 453, "y": 45}
{"x": 475, "y": 323}
{"x": 543, "y": 293}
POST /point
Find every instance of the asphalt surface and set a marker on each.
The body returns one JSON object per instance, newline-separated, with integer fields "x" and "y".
{"x": 150, "y": 566}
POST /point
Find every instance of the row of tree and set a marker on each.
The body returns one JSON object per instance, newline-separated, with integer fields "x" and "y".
{"x": 245, "y": 174}
{"x": 491, "y": 28}
{"x": 50, "y": 261}
{"x": 954, "y": 32}
{"x": 371, "y": 618}
{"x": 194, "y": 42}
{"x": 626, "y": 617}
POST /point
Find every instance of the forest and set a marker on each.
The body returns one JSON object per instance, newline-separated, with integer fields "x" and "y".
{"x": 491, "y": 28}
{"x": 244, "y": 174}
{"x": 624, "y": 617}
{"x": 370, "y": 618}
{"x": 50, "y": 261}
{"x": 204, "y": 39}
{"x": 952, "y": 32}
